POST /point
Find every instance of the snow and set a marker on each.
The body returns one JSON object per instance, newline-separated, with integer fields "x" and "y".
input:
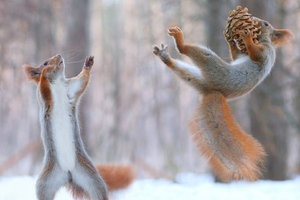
{"x": 188, "y": 186}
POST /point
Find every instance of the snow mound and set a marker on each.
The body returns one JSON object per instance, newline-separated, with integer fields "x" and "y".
{"x": 187, "y": 186}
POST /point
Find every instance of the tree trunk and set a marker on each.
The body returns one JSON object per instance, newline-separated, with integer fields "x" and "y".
{"x": 215, "y": 23}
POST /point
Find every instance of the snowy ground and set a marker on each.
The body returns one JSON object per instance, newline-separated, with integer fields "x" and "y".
{"x": 188, "y": 187}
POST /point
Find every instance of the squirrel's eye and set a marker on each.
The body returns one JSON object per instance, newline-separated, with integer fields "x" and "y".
{"x": 266, "y": 24}
{"x": 45, "y": 63}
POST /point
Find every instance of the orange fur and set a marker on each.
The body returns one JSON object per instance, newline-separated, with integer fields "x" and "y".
{"x": 45, "y": 89}
{"x": 32, "y": 73}
{"x": 254, "y": 50}
{"x": 116, "y": 176}
{"x": 281, "y": 37}
{"x": 178, "y": 36}
{"x": 232, "y": 153}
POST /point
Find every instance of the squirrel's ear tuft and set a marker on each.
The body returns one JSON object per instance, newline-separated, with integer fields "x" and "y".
{"x": 32, "y": 73}
{"x": 281, "y": 36}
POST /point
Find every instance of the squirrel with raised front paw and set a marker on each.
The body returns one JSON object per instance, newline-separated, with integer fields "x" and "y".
{"x": 66, "y": 162}
{"x": 232, "y": 153}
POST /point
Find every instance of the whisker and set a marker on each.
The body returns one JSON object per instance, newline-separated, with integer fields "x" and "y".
{"x": 72, "y": 62}
{"x": 69, "y": 55}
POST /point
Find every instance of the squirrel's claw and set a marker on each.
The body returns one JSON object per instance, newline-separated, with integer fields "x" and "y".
{"x": 89, "y": 62}
{"x": 174, "y": 31}
{"x": 157, "y": 50}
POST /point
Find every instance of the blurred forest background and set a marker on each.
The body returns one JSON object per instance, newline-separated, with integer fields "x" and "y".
{"x": 135, "y": 110}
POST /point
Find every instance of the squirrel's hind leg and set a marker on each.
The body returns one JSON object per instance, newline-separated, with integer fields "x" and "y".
{"x": 90, "y": 183}
{"x": 87, "y": 179}
{"x": 49, "y": 182}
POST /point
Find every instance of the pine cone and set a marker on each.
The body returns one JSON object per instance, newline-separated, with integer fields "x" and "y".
{"x": 240, "y": 19}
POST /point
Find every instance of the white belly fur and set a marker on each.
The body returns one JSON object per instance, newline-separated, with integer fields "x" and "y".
{"x": 63, "y": 136}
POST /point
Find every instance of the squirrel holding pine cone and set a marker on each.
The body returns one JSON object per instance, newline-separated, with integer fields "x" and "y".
{"x": 232, "y": 153}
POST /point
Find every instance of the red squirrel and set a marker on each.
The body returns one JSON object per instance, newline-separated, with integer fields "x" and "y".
{"x": 232, "y": 153}
{"x": 66, "y": 162}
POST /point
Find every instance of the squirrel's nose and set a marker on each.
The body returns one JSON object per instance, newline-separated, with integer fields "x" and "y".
{"x": 58, "y": 56}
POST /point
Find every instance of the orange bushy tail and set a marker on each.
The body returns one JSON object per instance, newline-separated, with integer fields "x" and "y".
{"x": 116, "y": 176}
{"x": 232, "y": 153}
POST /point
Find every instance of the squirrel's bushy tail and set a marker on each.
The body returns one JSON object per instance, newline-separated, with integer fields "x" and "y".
{"x": 116, "y": 176}
{"x": 232, "y": 153}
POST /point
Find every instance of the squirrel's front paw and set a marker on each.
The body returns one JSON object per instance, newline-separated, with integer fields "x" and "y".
{"x": 162, "y": 53}
{"x": 244, "y": 34}
{"x": 89, "y": 62}
{"x": 228, "y": 38}
{"x": 177, "y": 33}
{"x": 157, "y": 51}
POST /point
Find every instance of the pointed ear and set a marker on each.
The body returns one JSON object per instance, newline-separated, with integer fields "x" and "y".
{"x": 32, "y": 73}
{"x": 281, "y": 36}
